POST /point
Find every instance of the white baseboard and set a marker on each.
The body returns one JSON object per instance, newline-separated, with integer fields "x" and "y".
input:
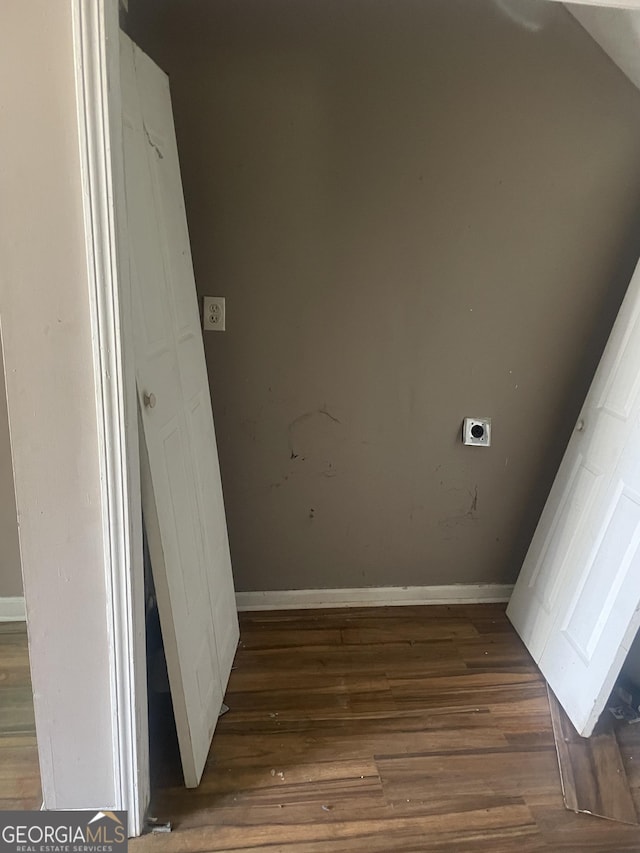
{"x": 375, "y": 596}
{"x": 12, "y": 610}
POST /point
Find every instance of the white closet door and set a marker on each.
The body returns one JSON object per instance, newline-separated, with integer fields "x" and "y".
{"x": 576, "y": 604}
{"x": 181, "y": 487}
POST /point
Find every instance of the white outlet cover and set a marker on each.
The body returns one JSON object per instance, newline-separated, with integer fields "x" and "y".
{"x": 213, "y": 314}
{"x": 477, "y": 432}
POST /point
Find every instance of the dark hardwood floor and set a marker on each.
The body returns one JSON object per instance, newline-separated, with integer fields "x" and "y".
{"x": 383, "y": 729}
{"x": 596, "y": 771}
{"x": 376, "y": 730}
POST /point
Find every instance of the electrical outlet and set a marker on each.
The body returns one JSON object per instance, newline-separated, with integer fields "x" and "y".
{"x": 213, "y": 314}
{"x": 477, "y": 432}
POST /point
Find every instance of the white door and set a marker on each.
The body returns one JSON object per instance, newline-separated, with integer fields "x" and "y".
{"x": 181, "y": 488}
{"x": 576, "y": 604}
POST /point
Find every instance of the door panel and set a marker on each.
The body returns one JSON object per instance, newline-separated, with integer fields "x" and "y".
{"x": 565, "y": 528}
{"x": 576, "y": 603}
{"x": 598, "y": 587}
{"x": 176, "y": 252}
{"x": 181, "y": 488}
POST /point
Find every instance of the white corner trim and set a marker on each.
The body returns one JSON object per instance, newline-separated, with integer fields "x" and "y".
{"x": 97, "y": 63}
{"x": 374, "y": 596}
{"x": 12, "y": 609}
{"x": 604, "y": 4}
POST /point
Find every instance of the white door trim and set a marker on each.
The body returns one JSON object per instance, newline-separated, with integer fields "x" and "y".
{"x": 96, "y": 50}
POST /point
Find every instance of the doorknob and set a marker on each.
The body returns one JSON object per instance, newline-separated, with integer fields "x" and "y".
{"x": 149, "y": 400}
{"x": 579, "y": 425}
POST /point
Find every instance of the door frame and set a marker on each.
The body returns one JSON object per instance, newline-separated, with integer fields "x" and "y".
{"x": 96, "y": 50}
{"x": 96, "y": 43}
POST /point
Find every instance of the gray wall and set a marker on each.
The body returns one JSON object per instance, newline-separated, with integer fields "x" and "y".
{"x": 417, "y": 210}
{"x": 10, "y": 574}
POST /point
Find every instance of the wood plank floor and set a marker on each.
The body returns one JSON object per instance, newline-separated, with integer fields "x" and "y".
{"x": 378, "y": 730}
{"x": 19, "y": 771}
{"x": 592, "y": 769}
